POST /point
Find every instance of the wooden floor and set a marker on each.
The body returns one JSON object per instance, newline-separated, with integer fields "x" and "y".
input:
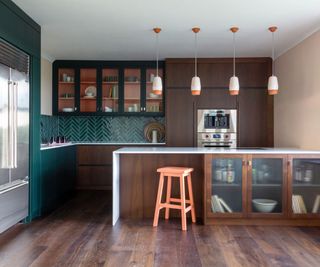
{"x": 80, "y": 234}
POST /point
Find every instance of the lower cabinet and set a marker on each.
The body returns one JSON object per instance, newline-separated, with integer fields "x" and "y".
{"x": 58, "y": 173}
{"x": 262, "y": 188}
{"x": 94, "y": 167}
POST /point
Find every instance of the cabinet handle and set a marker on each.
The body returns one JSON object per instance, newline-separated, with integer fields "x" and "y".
{"x": 244, "y": 163}
{"x": 75, "y": 108}
{"x": 249, "y": 163}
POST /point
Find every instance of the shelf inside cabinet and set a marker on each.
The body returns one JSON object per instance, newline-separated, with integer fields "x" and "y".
{"x": 66, "y": 83}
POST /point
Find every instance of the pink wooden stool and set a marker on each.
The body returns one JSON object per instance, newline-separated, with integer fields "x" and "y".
{"x": 181, "y": 173}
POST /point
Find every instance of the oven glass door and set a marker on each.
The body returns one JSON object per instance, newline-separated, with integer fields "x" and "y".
{"x": 217, "y": 121}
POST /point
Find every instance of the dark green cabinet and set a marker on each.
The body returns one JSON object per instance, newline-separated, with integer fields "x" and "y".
{"x": 106, "y": 88}
{"x": 58, "y": 175}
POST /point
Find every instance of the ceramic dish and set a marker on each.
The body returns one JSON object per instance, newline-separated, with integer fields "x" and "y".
{"x": 264, "y": 205}
{"x": 67, "y": 109}
{"x": 91, "y": 91}
{"x": 152, "y": 95}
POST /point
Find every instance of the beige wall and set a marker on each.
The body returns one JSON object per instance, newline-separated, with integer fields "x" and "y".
{"x": 297, "y": 106}
{"x": 46, "y": 87}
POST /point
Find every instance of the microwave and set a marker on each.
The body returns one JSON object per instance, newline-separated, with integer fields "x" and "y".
{"x": 217, "y": 120}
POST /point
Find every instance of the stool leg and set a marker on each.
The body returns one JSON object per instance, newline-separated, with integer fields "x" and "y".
{"x": 157, "y": 209}
{"x": 168, "y": 197}
{"x": 193, "y": 211}
{"x": 183, "y": 204}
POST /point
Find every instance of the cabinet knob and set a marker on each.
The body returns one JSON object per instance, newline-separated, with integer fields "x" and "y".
{"x": 75, "y": 108}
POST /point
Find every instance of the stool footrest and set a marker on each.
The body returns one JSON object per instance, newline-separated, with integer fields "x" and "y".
{"x": 170, "y": 206}
{"x": 179, "y": 200}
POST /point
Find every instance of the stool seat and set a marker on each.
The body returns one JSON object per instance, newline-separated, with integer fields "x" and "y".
{"x": 175, "y": 170}
{"x": 182, "y": 173}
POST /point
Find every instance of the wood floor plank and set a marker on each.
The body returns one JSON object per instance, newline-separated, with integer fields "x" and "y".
{"x": 80, "y": 234}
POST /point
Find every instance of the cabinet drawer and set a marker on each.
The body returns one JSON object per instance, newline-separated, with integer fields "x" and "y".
{"x": 95, "y": 155}
{"x": 94, "y": 177}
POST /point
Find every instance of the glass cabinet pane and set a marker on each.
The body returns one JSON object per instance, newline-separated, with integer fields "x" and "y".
{"x": 306, "y": 186}
{"x": 132, "y": 90}
{"x": 154, "y": 103}
{"x": 226, "y": 191}
{"x": 267, "y": 185}
{"x": 88, "y": 90}
{"x": 110, "y": 90}
{"x": 66, "y": 90}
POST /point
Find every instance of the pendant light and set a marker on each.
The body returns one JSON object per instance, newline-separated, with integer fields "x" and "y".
{"x": 157, "y": 82}
{"x": 273, "y": 86}
{"x": 195, "y": 82}
{"x": 234, "y": 81}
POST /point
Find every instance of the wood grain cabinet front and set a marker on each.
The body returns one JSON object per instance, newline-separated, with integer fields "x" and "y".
{"x": 94, "y": 167}
{"x": 262, "y": 189}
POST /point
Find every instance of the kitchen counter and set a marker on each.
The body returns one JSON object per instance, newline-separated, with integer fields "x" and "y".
{"x": 45, "y": 147}
{"x": 135, "y": 179}
{"x": 204, "y": 150}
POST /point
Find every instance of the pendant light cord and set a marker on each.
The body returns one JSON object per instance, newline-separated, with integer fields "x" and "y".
{"x": 195, "y": 54}
{"x": 157, "y": 53}
{"x": 234, "y": 54}
{"x": 273, "y": 65}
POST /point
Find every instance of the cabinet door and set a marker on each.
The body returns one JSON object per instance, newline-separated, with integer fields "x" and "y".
{"x": 267, "y": 186}
{"x": 110, "y": 90}
{"x": 180, "y": 119}
{"x": 179, "y": 74}
{"x": 255, "y": 127}
{"x": 132, "y": 90}
{"x": 304, "y": 186}
{"x": 88, "y": 90}
{"x": 66, "y": 90}
{"x": 226, "y": 180}
{"x": 154, "y": 103}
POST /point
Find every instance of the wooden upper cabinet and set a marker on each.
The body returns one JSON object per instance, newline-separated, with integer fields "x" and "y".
{"x": 217, "y": 98}
{"x": 255, "y": 125}
{"x": 179, "y": 73}
{"x": 179, "y": 118}
{"x": 216, "y": 72}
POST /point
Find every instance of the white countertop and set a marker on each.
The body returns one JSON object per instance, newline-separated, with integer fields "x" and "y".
{"x": 204, "y": 150}
{"x": 46, "y": 147}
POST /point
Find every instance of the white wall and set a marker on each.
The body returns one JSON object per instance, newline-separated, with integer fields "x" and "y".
{"x": 297, "y": 107}
{"x": 46, "y": 87}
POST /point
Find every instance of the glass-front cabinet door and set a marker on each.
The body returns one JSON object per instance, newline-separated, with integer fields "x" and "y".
{"x": 225, "y": 184}
{"x": 132, "y": 90}
{"x": 304, "y": 187}
{"x": 154, "y": 103}
{"x": 267, "y": 182}
{"x": 66, "y": 90}
{"x": 88, "y": 90}
{"x": 110, "y": 90}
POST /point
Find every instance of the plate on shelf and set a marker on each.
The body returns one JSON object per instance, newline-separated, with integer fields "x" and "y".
{"x": 88, "y": 97}
{"x": 152, "y": 95}
{"x": 67, "y": 110}
{"x": 91, "y": 91}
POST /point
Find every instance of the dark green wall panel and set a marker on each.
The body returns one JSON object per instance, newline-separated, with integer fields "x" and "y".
{"x": 20, "y": 30}
{"x": 58, "y": 174}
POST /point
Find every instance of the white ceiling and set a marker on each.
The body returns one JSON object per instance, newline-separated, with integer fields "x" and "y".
{"x": 122, "y": 29}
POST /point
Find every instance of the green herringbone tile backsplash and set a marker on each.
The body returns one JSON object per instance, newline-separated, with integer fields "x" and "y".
{"x": 96, "y": 128}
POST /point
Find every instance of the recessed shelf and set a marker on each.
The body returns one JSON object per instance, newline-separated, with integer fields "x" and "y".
{"x": 87, "y": 82}
{"x": 66, "y": 98}
{"x": 110, "y": 98}
{"x": 84, "y": 98}
{"x": 226, "y": 185}
{"x": 110, "y": 82}
{"x": 306, "y": 185}
{"x": 266, "y": 185}
{"x": 66, "y": 82}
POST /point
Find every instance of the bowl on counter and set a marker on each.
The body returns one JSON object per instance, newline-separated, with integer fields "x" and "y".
{"x": 264, "y": 205}
{"x": 67, "y": 110}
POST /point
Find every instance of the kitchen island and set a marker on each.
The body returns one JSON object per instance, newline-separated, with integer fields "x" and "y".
{"x": 231, "y": 186}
